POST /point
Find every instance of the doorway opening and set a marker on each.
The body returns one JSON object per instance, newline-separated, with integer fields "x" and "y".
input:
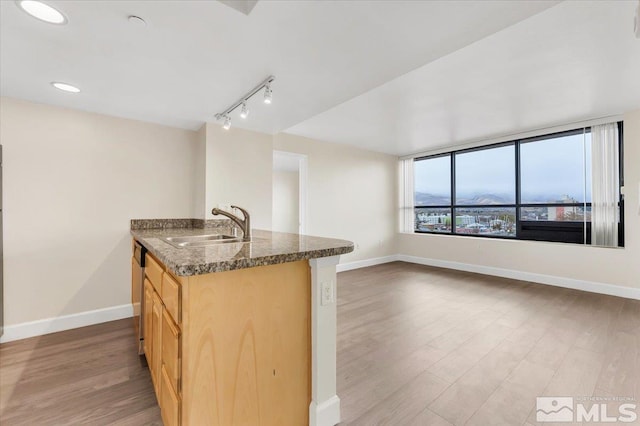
{"x": 289, "y": 192}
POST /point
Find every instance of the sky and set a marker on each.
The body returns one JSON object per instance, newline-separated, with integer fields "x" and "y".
{"x": 549, "y": 169}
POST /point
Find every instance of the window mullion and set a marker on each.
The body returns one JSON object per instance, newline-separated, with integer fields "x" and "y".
{"x": 453, "y": 192}
{"x": 518, "y": 200}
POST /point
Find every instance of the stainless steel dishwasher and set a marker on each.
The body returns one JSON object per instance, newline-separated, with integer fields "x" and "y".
{"x": 137, "y": 292}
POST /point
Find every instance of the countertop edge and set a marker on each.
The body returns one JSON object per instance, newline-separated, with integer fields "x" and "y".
{"x": 191, "y": 269}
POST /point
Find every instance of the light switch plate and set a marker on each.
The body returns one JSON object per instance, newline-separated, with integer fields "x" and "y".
{"x": 326, "y": 290}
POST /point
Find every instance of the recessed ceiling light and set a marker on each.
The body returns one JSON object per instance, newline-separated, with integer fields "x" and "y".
{"x": 65, "y": 87}
{"x": 136, "y": 20}
{"x": 42, "y": 11}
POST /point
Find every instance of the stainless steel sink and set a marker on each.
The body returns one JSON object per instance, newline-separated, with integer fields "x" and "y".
{"x": 201, "y": 240}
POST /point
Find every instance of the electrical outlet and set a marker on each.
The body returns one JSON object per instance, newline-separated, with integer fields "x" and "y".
{"x": 326, "y": 290}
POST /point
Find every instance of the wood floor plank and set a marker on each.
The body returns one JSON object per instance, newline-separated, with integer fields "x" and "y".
{"x": 428, "y": 417}
{"x": 621, "y": 368}
{"x": 576, "y": 376}
{"x": 379, "y": 381}
{"x": 461, "y": 400}
{"x": 514, "y": 399}
{"x": 403, "y": 405}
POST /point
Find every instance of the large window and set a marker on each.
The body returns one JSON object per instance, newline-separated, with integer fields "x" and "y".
{"x": 433, "y": 194}
{"x": 532, "y": 189}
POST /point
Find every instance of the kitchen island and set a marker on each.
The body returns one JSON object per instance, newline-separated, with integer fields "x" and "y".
{"x": 240, "y": 332}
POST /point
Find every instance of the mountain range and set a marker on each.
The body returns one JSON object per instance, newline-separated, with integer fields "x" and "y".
{"x": 424, "y": 199}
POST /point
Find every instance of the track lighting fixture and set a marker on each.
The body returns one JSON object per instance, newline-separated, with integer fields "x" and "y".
{"x": 267, "y": 94}
{"x": 242, "y": 102}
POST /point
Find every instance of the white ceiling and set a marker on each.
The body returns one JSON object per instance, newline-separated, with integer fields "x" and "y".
{"x": 575, "y": 61}
{"x": 194, "y": 58}
{"x": 391, "y": 76}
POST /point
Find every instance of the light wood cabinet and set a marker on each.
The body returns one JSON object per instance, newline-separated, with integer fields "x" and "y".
{"x": 162, "y": 337}
{"x": 148, "y": 310}
{"x": 136, "y": 285}
{"x": 153, "y": 271}
{"x": 171, "y": 350}
{"x": 230, "y": 348}
{"x": 171, "y": 296}
{"x": 169, "y": 402}
{"x": 156, "y": 339}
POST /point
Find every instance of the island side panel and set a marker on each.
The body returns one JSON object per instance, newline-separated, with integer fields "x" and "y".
{"x": 246, "y": 349}
{"x": 324, "y": 409}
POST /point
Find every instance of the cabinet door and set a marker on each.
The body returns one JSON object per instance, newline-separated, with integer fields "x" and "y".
{"x": 148, "y": 311}
{"x": 171, "y": 350}
{"x": 170, "y": 402}
{"x": 156, "y": 336}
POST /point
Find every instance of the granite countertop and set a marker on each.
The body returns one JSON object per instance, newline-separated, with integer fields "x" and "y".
{"x": 266, "y": 248}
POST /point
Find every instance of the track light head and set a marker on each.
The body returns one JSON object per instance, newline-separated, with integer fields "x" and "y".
{"x": 227, "y": 123}
{"x": 268, "y": 94}
{"x": 244, "y": 112}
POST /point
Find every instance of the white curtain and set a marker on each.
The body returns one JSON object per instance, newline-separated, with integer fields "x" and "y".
{"x": 605, "y": 194}
{"x": 406, "y": 195}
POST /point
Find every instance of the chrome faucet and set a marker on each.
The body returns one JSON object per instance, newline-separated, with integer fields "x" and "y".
{"x": 244, "y": 224}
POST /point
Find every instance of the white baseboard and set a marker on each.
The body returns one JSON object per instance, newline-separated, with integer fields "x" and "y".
{"x": 590, "y": 286}
{"x": 65, "y": 322}
{"x": 326, "y": 413}
{"x": 348, "y": 266}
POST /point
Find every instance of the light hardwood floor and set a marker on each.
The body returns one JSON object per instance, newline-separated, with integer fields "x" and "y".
{"x": 416, "y": 346}
{"x": 427, "y": 346}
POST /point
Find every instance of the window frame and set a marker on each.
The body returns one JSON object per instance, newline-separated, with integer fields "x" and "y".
{"x": 526, "y": 230}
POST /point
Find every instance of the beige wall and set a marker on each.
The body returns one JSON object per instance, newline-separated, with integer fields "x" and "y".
{"x": 286, "y": 201}
{"x": 200, "y": 175}
{"x": 603, "y": 265}
{"x": 72, "y": 182}
{"x": 239, "y": 169}
{"x": 351, "y": 194}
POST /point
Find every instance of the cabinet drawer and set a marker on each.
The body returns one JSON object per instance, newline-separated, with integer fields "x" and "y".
{"x": 171, "y": 350}
{"x": 170, "y": 402}
{"x": 171, "y": 297}
{"x": 153, "y": 271}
